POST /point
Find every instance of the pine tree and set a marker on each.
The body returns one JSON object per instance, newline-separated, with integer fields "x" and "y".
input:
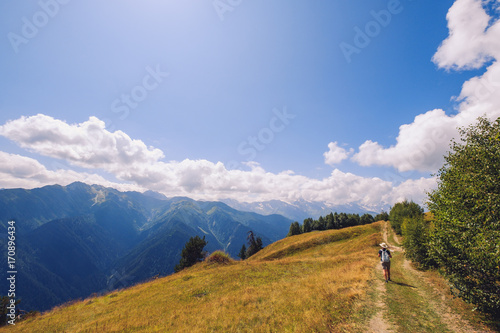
{"x": 307, "y": 225}
{"x": 191, "y": 253}
{"x": 243, "y": 252}
{"x": 295, "y": 229}
{"x": 254, "y": 244}
{"x": 330, "y": 222}
{"x": 366, "y": 219}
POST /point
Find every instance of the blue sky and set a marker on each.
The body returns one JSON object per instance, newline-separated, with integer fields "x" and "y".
{"x": 337, "y": 101}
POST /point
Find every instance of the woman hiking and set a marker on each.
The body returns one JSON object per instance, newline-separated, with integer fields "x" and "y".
{"x": 385, "y": 257}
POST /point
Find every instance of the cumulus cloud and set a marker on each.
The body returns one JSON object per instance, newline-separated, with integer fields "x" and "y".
{"x": 18, "y": 171}
{"x": 412, "y": 189}
{"x": 420, "y": 145}
{"x": 336, "y": 154}
{"x": 87, "y": 144}
{"x": 474, "y": 39}
{"x": 91, "y": 146}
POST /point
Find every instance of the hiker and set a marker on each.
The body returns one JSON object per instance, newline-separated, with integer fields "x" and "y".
{"x": 385, "y": 257}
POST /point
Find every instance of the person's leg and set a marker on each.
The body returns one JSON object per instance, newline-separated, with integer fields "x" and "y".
{"x": 388, "y": 271}
{"x": 384, "y": 267}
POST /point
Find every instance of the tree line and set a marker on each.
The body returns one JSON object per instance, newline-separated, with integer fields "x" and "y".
{"x": 460, "y": 236}
{"x": 334, "y": 221}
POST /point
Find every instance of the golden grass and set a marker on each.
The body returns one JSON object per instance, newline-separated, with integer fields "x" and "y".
{"x": 315, "y": 282}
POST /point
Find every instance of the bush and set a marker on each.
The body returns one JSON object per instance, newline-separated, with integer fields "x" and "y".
{"x": 219, "y": 257}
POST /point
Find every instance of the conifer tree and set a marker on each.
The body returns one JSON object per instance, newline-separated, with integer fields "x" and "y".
{"x": 243, "y": 252}
{"x": 330, "y": 222}
{"x": 192, "y": 253}
{"x": 295, "y": 229}
{"x": 307, "y": 225}
{"x": 254, "y": 244}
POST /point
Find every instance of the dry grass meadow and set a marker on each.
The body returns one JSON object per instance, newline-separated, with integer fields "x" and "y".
{"x": 316, "y": 282}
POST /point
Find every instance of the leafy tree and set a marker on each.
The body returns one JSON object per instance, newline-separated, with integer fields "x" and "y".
{"x": 191, "y": 253}
{"x": 254, "y": 244}
{"x": 294, "y": 229}
{"x": 403, "y": 210}
{"x": 243, "y": 252}
{"x": 466, "y": 207}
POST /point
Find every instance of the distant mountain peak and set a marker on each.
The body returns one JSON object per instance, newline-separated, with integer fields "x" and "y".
{"x": 155, "y": 195}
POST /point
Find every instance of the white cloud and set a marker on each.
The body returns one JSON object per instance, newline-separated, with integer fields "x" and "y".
{"x": 87, "y": 144}
{"x": 90, "y": 145}
{"x": 336, "y": 154}
{"x": 472, "y": 41}
{"x": 474, "y": 38}
{"x": 420, "y": 145}
{"x": 18, "y": 171}
{"x": 412, "y": 189}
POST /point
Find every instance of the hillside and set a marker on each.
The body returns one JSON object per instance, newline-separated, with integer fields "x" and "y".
{"x": 317, "y": 282}
{"x": 80, "y": 239}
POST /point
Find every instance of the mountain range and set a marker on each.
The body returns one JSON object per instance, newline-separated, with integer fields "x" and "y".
{"x": 300, "y": 209}
{"x": 75, "y": 240}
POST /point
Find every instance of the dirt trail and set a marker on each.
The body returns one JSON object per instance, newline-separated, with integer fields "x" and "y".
{"x": 432, "y": 294}
{"x": 378, "y": 324}
{"x": 453, "y": 321}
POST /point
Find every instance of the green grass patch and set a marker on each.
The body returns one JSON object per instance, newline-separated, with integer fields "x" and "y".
{"x": 407, "y": 308}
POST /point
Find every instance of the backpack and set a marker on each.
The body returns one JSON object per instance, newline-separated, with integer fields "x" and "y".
{"x": 385, "y": 256}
